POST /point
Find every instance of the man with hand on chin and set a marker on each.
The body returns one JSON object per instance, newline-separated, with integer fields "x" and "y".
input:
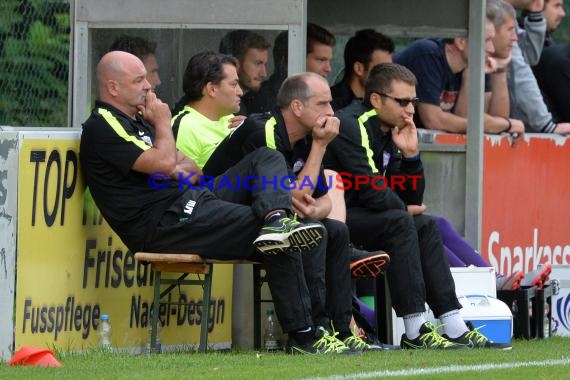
{"x": 300, "y": 128}
{"x": 378, "y": 139}
{"x": 128, "y": 137}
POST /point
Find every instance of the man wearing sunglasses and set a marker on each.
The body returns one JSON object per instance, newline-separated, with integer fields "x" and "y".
{"x": 378, "y": 141}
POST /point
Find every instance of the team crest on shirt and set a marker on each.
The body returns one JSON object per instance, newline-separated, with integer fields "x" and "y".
{"x": 143, "y": 135}
{"x": 385, "y": 160}
{"x": 147, "y": 140}
{"x": 298, "y": 165}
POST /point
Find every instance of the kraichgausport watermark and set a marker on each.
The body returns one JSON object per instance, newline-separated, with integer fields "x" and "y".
{"x": 343, "y": 181}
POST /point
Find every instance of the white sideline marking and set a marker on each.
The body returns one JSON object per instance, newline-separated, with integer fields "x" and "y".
{"x": 446, "y": 369}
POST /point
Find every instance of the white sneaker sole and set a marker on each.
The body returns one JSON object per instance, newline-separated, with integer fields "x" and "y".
{"x": 301, "y": 239}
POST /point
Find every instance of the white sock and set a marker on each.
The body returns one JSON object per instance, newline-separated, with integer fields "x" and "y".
{"x": 412, "y": 324}
{"x": 453, "y": 324}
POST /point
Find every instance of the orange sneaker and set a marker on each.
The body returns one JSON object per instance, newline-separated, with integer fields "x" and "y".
{"x": 364, "y": 264}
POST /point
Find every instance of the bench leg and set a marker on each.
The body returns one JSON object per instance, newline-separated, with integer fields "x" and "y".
{"x": 257, "y": 307}
{"x": 383, "y": 310}
{"x": 155, "y": 308}
{"x": 207, "y": 285}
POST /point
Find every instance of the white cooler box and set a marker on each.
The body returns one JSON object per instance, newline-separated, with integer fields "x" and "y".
{"x": 560, "y": 312}
{"x": 476, "y": 291}
{"x": 491, "y": 316}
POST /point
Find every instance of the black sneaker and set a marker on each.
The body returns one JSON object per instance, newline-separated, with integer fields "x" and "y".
{"x": 322, "y": 343}
{"x": 281, "y": 235}
{"x": 364, "y": 264}
{"x": 429, "y": 339}
{"x": 474, "y": 339}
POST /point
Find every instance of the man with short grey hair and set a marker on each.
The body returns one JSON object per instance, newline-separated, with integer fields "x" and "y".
{"x": 301, "y": 128}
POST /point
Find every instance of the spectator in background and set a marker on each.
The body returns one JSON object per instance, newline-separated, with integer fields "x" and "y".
{"x": 362, "y": 52}
{"x": 554, "y": 14}
{"x": 553, "y": 70}
{"x": 145, "y": 51}
{"x": 531, "y": 28}
{"x": 252, "y": 52}
{"x": 440, "y": 68}
{"x": 553, "y": 76}
{"x": 212, "y": 91}
{"x": 266, "y": 98}
{"x": 527, "y": 102}
{"x": 320, "y": 43}
{"x": 503, "y": 16}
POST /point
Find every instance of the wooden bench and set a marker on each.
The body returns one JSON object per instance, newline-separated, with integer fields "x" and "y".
{"x": 187, "y": 264}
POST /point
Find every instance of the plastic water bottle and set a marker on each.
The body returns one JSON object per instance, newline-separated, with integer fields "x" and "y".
{"x": 546, "y": 331}
{"x": 148, "y": 349}
{"x": 270, "y": 338}
{"x": 105, "y": 332}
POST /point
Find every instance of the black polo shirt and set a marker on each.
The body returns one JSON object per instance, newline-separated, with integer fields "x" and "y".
{"x": 342, "y": 96}
{"x": 265, "y": 99}
{"x": 111, "y": 142}
{"x": 264, "y": 130}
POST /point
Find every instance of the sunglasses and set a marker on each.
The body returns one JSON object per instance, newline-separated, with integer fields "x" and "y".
{"x": 403, "y": 102}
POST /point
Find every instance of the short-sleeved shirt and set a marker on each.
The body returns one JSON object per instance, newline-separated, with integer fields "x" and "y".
{"x": 111, "y": 142}
{"x": 196, "y": 135}
{"x": 437, "y": 83}
{"x": 264, "y": 130}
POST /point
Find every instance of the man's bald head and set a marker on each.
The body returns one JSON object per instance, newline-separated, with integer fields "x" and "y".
{"x": 114, "y": 65}
{"x": 298, "y": 87}
{"x": 118, "y": 73}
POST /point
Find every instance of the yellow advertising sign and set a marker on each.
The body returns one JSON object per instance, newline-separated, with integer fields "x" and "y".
{"x": 71, "y": 267}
